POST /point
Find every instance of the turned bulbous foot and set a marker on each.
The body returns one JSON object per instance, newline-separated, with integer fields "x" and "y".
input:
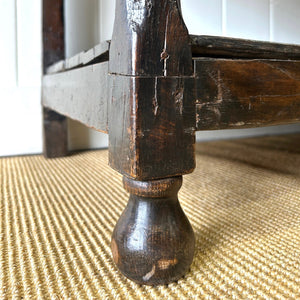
{"x": 153, "y": 241}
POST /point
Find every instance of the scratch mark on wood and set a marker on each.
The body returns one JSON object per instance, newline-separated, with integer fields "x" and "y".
{"x": 179, "y": 100}
{"x": 155, "y": 105}
{"x": 237, "y": 124}
{"x": 288, "y": 74}
{"x": 220, "y": 90}
{"x": 165, "y": 48}
{"x": 150, "y": 274}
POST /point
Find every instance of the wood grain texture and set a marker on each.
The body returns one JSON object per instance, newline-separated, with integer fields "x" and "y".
{"x": 152, "y": 109}
{"x": 224, "y": 47}
{"x": 81, "y": 94}
{"x": 152, "y": 126}
{"x": 54, "y": 124}
{"x": 153, "y": 242}
{"x": 246, "y": 93}
{"x": 150, "y": 39}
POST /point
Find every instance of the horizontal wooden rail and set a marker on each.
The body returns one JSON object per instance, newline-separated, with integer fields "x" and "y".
{"x": 228, "y": 93}
{"x": 202, "y": 46}
{"x": 97, "y": 54}
{"x": 246, "y": 93}
{"x": 81, "y": 94}
{"x": 224, "y": 47}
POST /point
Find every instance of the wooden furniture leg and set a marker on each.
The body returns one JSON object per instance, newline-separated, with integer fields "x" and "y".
{"x": 151, "y": 138}
{"x": 147, "y": 91}
{"x": 153, "y": 241}
{"x": 54, "y": 124}
{"x": 55, "y": 130}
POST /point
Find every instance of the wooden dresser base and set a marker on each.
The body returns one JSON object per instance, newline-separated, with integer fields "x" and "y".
{"x": 151, "y": 88}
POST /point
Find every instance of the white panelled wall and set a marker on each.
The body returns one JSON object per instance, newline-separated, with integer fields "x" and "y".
{"x": 91, "y": 21}
{"x": 20, "y": 77}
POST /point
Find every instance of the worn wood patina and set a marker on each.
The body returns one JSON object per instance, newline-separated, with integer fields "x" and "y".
{"x": 150, "y": 89}
{"x": 234, "y": 93}
{"x": 153, "y": 242}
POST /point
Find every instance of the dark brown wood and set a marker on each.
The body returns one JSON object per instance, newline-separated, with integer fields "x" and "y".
{"x": 152, "y": 108}
{"x": 150, "y": 39}
{"x": 54, "y": 125}
{"x": 55, "y": 134}
{"x": 224, "y": 47}
{"x": 153, "y": 241}
{"x": 81, "y": 94}
{"x": 151, "y": 105}
{"x": 152, "y": 126}
{"x": 152, "y": 136}
{"x": 53, "y": 32}
{"x": 246, "y": 93}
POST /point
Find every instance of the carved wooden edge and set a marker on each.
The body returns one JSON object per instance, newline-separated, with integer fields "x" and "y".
{"x": 54, "y": 124}
{"x": 154, "y": 188}
{"x": 98, "y": 54}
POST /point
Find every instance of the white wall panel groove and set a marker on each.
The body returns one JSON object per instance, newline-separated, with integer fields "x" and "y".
{"x": 8, "y": 44}
{"x": 20, "y": 77}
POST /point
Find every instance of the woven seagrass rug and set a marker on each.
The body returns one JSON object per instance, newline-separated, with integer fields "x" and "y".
{"x": 243, "y": 200}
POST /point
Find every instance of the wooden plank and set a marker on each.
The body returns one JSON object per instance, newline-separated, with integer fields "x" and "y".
{"x": 224, "y": 47}
{"x": 97, "y": 54}
{"x": 81, "y": 94}
{"x": 246, "y": 93}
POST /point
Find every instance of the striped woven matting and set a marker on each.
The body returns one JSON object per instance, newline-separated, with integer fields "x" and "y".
{"x": 243, "y": 200}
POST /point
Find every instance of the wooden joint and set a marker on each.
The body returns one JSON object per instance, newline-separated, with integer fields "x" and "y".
{"x": 153, "y": 189}
{"x": 152, "y": 126}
